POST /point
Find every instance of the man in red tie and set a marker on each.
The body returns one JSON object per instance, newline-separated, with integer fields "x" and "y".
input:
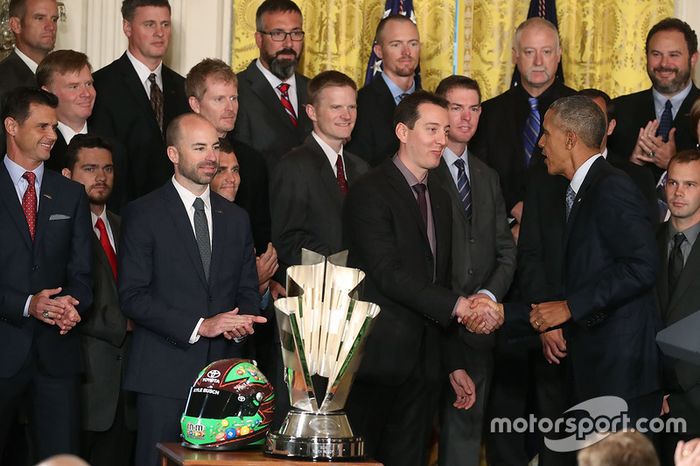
{"x": 105, "y": 331}
{"x": 312, "y": 180}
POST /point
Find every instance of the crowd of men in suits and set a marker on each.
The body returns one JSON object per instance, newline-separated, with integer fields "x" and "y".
{"x": 579, "y": 211}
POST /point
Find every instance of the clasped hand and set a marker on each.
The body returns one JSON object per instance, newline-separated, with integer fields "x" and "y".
{"x": 479, "y": 313}
{"x": 230, "y": 324}
{"x": 55, "y": 310}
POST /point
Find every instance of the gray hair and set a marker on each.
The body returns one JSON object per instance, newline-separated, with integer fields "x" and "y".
{"x": 535, "y": 22}
{"x": 580, "y": 115}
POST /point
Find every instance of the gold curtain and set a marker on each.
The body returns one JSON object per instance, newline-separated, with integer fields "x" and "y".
{"x": 602, "y": 41}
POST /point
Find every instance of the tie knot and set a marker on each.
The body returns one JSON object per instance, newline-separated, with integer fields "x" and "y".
{"x": 198, "y": 204}
{"x": 30, "y": 177}
{"x": 533, "y": 102}
{"x": 152, "y": 78}
{"x": 339, "y": 161}
{"x": 668, "y": 106}
{"x": 459, "y": 163}
{"x": 100, "y": 225}
{"x": 283, "y": 87}
{"x": 678, "y": 239}
{"x": 419, "y": 188}
{"x": 403, "y": 96}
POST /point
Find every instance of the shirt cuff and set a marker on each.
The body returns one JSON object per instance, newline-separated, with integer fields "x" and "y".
{"x": 25, "y": 313}
{"x": 194, "y": 338}
{"x": 265, "y": 300}
{"x": 488, "y": 293}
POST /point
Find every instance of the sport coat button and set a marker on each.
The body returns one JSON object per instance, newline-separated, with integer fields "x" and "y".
{"x": 470, "y": 272}
{"x": 35, "y": 267}
{"x": 119, "y": 357}
{"x": 472, "y": 240}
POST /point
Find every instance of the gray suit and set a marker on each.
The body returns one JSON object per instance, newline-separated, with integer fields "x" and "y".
{"x": 483, "y": 257}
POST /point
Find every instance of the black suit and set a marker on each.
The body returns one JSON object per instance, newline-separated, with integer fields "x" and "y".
{"x": 262, "y": 122}
{"x": 634, "y": 111}
{"x": 35, "y": 354}
{"x": 163, "y": 289}
{"x": 123, "y": 112}
{"x": 307, "y": 203}
{"x": 483, "y": 257}
{"x": 385, "y": 234}
{"x": 14, "y": 73}
{"x": 373, "y": 138}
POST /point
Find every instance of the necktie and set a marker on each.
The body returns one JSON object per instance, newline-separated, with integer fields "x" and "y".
{"x": 286, "y": 103}
{"x": 531, "y": 132}
{"x": 201, "y": 233}
{"x": 420, "y": 188}
{"x": 666, "y": 121}
{"x": 570, "y": 196}
{"x": 29, "y": 203}
{"x": 675, "y": 262}
{"x": 661, "y": 197}
{"x": 403, "y": 96}
{"x": 107, "y": 246}
{"x": 156, "y": 100}
{"x": 463, "y": 187}
{"x": 342, "y": 181}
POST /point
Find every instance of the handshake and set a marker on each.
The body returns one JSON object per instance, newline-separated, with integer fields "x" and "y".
{"x": 479, "y": 313}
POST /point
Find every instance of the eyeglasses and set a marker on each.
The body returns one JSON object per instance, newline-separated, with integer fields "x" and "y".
{"x": 280, "y": 36}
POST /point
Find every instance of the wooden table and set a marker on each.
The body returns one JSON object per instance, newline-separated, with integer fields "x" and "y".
{"x": 174, "y": 454}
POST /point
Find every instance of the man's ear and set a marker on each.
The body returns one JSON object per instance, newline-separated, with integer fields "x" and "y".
{"x": 401, "y": 131}
{"x": 194, "y": 104}
{"x": 173, "y": 155}
{"x": 65, "y": 172}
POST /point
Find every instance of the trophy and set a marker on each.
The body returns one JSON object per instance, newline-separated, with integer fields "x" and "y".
{"x": 322, "y": 327}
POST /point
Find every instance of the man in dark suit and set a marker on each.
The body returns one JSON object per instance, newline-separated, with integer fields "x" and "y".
{"x": 483, "y": 259}
{"x": 397, "y": 227}
{"x": 45, "y": 283}
{"x": 187, "y": 280}
{"x": 271, "y": 116}
{"x": 397, "y": 44}
{"x": 653, "y": 124}
{"x": 138, "y": 96}
{"x": 678, "y": 291}
{"x": 106, "y": 440}
{"x": 311, "y": 181}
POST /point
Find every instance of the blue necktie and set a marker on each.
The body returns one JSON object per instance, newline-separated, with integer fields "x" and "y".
{"x": 463, "y": 187}
{"x": 570, "y": 196}
{"x": 531, "y": 132}
{"x": 666, "y": 121}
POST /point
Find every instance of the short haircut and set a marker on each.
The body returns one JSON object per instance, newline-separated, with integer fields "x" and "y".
{"x": 225, "y": 146}
{"x": 83, "y": 141}
{"x": 685, "y": 156}
{"x": 17, "y": 8}
{"x": 620, "y": 449}
{"x": 382, "y": 24}
{"x": 326, "y": 79}
{"x": 274, "y": 6}
{"x": 593, "y": 93}
{"x": 17, "y": 102}
{"x": 457, "y": 81}
{"x": 130, "y": 6}
{"x": 535, "y": 21}
{"x": 675, "y": 24}
{"x": 196, "y": 80}
{"x": 695, "y": 116}
{"x": 582, "y": 116}
{"x": 407, "y": 111}
{"x": 173, "y": 134}
{"x": 61, "y": 62}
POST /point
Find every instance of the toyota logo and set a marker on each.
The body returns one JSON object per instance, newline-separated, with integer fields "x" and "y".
{"x": 213, "y": 374}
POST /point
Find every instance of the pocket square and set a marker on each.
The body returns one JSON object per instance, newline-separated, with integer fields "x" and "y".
{"x": 59, "y": 217}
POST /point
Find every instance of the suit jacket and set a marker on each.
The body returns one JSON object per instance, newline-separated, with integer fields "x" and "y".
{"x": 609, "y": 272}
{"x": 385, "y": 234}
{"x": 104, "y": 341}
{"x": 483, "y": 252}
{"x": 499, "y": 139}
{"x": 682, "y": 379}
{"x": 163, "y": 289}
{"x": 373, "y": 138}
{"x": 14, "y": 73}
{"x": 58, "y": 257}
{"x": 634, "y": 111}
{"x": 253, "y": 191}
{"x": 307, "y": 203}
{"x": 123, "y": 112}
{"x": 262, "y": 122}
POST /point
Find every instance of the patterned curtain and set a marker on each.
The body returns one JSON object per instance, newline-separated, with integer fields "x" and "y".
{"x": 603, "y": 41}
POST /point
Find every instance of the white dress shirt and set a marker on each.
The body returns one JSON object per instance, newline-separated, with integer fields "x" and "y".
{"x": 144, "y": 72}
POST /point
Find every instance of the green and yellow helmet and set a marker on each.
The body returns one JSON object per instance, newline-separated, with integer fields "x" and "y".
{"x": 230, "y": 406}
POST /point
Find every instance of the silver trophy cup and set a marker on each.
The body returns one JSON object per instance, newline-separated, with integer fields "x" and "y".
{"x": 322, "y": 328}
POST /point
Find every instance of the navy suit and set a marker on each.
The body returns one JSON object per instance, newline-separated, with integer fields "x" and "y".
{"x": 34, "y": 353}
{"x": 163, "y": 289}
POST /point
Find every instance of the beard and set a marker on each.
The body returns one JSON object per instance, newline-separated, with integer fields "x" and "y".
{"x": 676, "y": 84}
{"x": 282, "y": 68}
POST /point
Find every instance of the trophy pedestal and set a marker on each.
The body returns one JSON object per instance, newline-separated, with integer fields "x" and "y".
{"x": 315, "y": 436}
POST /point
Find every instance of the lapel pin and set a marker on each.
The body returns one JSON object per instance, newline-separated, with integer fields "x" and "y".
{"x": 47, "y": 196}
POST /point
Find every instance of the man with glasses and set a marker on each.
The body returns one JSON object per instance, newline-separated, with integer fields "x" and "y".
{"x": 272, "y": 95}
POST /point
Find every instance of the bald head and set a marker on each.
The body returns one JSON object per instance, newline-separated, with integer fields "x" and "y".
{"x": 63, "y": 460}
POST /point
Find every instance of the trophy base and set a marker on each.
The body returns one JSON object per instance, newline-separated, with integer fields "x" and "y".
{"x": 316, "y": 437}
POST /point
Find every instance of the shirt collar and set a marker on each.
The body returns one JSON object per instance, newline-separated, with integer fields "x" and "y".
{"x": 274, "y": 80}
{"x": 27, "y": 61}
{"x": 605, "y": 153}
{"x": 396, "y": 91}
{"x": 450, "y": 158}
{"x": 103, "y": 216}
{"x": 328, "y": 150}
{"x": 691, "y": 234}
{"x": 68, "y": 132}
{"x": 676, "y": 100}
{"x": 581, "y": 173}
{"x": 188, "y": 196}
{"x": 410, "y": 177}
{"x": 144, "y": 72}
{"x": 16, "y": 171}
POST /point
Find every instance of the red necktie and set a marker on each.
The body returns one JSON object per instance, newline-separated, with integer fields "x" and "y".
{"x": 107, "y": 246}
{"x": 29, "y": 203}
{"x": 342, "y": 181}
{"x": 286, "y": 103}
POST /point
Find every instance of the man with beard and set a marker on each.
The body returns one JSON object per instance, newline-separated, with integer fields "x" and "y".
{"x": 653, "y": 124}
{"x": 397, "y": 44}
{"x": 187, "y": 279}
{"x": 272, "y": 95}
{"x": 105, "y": 437}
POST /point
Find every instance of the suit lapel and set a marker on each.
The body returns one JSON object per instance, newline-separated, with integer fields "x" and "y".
{"x": 662, "y": 282}
{"x": 170, "y": 95}
{"x": 137, "y": 91}
{"x": 443, "y": 171}
{"x": 46, "y": 205}
{"x": 690, "y": 272}
{"x": 441, "y": 220}
{"x": 325, "y": 172}
{"x": 591, "y": 176}
{"x": 262, "y": 88}
{"x": 405, "y": 192}
{"x": 13, "y": 206}
{"x": 218, "y": 234}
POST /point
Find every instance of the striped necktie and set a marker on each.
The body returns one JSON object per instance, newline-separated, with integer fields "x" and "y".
{"x": 286, "y": 103}
{"x": 531, "y": 132}
{"x": 463, "y": 187}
